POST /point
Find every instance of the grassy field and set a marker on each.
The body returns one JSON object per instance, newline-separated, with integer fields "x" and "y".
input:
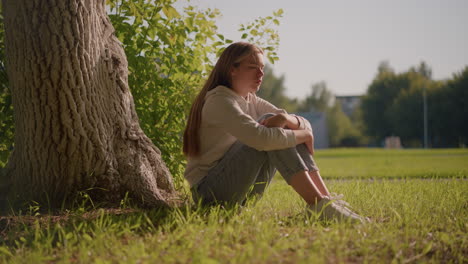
{"x": 401, "y": 163}
{"x": 421, "y": 218}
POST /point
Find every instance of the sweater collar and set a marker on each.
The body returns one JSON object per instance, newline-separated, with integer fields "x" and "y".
{"x": 228, "y": 91}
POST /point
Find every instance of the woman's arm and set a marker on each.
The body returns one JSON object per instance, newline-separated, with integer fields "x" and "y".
{"x": 305, "y": 136}
{"x": 293, "y": 123}
{"x": 224, "y": 113}
{"x": 282, "y": 120}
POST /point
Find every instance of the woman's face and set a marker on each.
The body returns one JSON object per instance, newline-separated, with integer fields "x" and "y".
{"x": 247, "y": 77}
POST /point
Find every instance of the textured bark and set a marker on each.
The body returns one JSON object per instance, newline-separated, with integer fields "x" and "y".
{"x": 75, "y": 122}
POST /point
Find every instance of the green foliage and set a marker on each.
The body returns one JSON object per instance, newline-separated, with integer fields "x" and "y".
{"x": 6, "y": 107}
{"x": 342, "y": 131}
{"x": 405, "y": 114}
{"x": 384, "y": 89}
{"x": 448, "y": 110}
{"x": 393, "y": 105}
{"x": 169, "y": 55}
{"x": 261, "y": 32}
{"x": 319, "y": 99}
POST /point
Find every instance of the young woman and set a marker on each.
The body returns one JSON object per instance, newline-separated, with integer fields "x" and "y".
{"x": 234, "y": 141}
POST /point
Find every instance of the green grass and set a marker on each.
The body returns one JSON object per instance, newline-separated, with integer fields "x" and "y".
{"x": 382, "y": 163}
{"x": 415, "y": 220}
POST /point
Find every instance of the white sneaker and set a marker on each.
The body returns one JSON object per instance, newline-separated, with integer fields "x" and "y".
{"x": 328, "y": 210}
{"x": 338, "y": 199}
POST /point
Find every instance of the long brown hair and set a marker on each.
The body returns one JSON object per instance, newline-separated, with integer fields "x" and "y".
{"x": 220, "y": 75}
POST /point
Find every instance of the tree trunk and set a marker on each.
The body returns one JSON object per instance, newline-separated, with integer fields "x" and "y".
{"x": 75, "y": 122}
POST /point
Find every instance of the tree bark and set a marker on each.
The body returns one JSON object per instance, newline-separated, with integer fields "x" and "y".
{"x": 75, "y": 122}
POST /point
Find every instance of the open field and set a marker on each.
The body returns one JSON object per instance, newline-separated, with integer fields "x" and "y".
{"x": 414, "y": 220}
{"x": 402, "y": 163}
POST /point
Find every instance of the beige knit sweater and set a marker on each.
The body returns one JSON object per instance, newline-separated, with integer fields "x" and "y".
{"x": 227, "y": 117}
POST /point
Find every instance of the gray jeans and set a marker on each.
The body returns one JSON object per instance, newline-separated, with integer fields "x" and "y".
{"x": 244, "y": 171}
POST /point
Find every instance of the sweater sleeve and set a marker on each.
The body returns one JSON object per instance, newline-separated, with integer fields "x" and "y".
{"x": 226, "y": 113}
{"x": 263, "y": 107}
{"x": 304, "y": 123}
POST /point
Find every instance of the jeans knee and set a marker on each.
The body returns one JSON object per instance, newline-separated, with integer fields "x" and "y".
{"x": 302, "y": 149}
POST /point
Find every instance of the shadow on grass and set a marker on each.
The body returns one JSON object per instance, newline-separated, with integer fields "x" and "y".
{"x": 35, "y": 226}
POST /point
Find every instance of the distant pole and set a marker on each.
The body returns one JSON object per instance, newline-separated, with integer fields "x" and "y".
{"x": 425, "y": 116}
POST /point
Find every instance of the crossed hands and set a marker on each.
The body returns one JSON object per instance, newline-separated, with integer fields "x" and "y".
{"x": 279, "y": 120}
{"x": 285, "y": 121}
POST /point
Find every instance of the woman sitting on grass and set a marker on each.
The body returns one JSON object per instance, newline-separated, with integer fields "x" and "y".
{"x": 235, "y": 141}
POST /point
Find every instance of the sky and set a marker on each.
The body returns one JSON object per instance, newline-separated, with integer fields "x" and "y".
{"x": 342, "y": 42}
